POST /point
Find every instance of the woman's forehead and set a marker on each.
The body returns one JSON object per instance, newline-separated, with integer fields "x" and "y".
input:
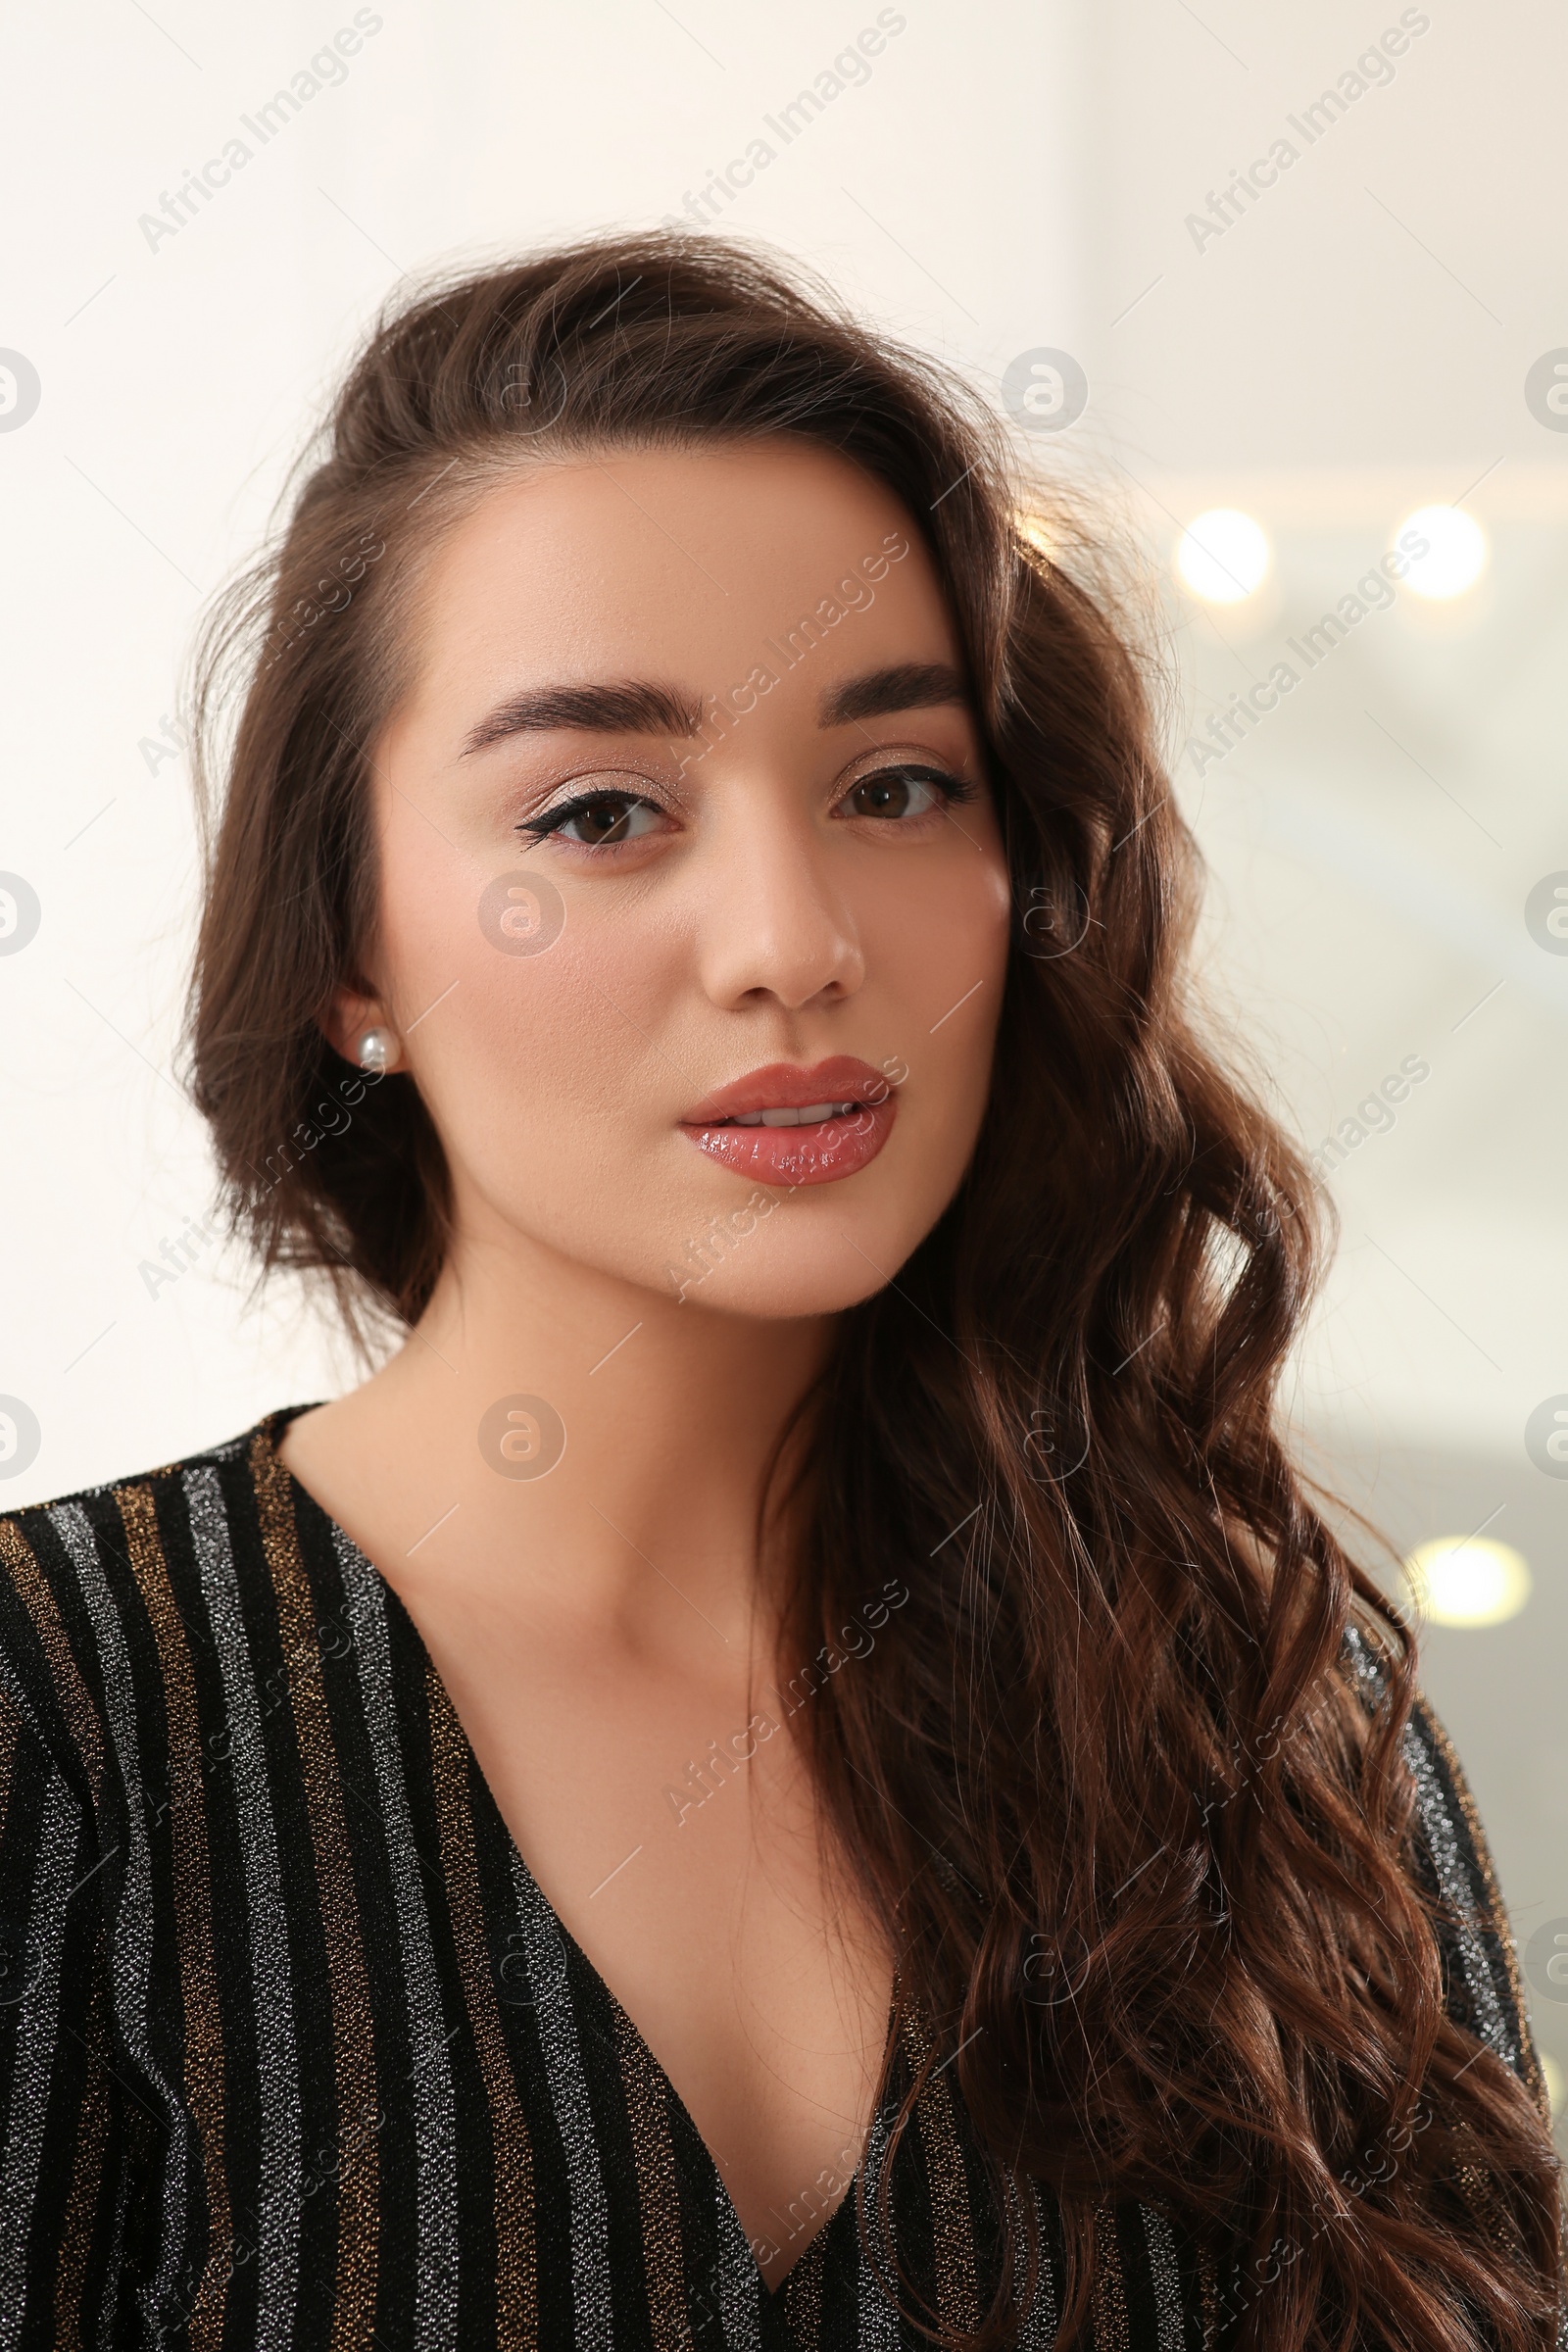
{"x": 637, "y": 561}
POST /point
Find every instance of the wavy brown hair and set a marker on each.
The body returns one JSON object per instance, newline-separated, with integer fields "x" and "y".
{"x": 1146, "y": 1847}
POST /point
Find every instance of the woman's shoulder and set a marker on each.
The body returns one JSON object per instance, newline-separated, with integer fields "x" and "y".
{"x": 1452, "y": 1843}
{"x": 1454, "y": 1865}
{"x": 104, "y": 1589}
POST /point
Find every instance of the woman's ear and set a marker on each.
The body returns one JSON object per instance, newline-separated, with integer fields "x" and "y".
{"x": 357, "y": 1025}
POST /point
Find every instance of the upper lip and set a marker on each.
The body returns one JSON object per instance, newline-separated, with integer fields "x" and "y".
{"x": 792, "y": 1086}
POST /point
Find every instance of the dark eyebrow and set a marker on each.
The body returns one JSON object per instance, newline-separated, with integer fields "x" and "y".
{"x": 635, "y": 707}
{"x": 644, "y": 707}
{"x": 901, "y": 686}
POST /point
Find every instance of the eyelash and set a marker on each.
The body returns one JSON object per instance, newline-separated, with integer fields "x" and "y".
{"x": 952, "y": 791}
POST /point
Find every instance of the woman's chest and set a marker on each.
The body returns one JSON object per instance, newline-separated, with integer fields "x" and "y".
{"x": 675, "y": 1838}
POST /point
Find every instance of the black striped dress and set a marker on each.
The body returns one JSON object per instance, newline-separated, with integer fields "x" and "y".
{"x": 293, "y": 2051}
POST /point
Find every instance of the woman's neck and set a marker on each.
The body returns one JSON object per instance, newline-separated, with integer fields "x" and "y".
{"x": 553, "y": 1434}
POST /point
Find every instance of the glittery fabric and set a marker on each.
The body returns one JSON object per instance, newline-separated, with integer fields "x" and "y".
{"x": 294, "y": 2053}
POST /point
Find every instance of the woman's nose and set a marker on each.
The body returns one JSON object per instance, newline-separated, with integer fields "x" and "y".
{"x": 774, "y": 921}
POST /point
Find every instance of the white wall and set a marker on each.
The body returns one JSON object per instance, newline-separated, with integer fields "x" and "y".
{"x": 1011, "y": 175}
{"x": 179, "y": 374}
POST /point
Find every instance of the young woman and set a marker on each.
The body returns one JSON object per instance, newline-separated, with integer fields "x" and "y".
{"x": 796, "y": 1767}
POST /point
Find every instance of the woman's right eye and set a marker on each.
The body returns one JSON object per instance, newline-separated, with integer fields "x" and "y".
{"x": 599, "y": 820}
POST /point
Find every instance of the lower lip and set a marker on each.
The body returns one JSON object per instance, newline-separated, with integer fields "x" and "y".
{"x": 796, "y": 1155}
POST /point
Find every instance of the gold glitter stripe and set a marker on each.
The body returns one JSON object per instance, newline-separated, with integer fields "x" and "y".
{"x": 1480, "y": 2193}
{"x": 658, "y": 2197}
{"x": 952, "y": 2222}
{"x": 516, "y": 2258}
{"x": 81, "y": 1716}
{"x": 1111, "y": 2334}
{"x": 359, "y": 2116}
{"x": 198, "y": 1980}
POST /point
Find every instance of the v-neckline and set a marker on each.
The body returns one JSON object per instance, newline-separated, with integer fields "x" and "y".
{"x": 270, "y": 1430}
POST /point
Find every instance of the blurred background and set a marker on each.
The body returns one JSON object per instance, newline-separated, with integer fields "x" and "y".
{"x": 1284, "y": 288}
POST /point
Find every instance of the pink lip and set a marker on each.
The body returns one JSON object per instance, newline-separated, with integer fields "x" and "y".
{"x": 797, "y": 1155}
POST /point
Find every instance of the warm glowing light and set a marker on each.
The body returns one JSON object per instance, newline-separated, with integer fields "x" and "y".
{"x": 1224, "y": 556}
{"x": 1456, "y": 551}
{"x": 1040, "y": 534}
{"x": 1465, "y": 1580}
{"x": 1555, "y": 2083}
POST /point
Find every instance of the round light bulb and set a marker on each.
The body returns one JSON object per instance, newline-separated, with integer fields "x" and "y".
{"x": 1224, "y": 556}
{"x": 1456, "y": 551}
{"x": 1466, "y": 1579}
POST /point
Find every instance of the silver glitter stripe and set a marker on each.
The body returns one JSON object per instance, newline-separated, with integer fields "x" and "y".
{"x": 131, "y": 1935}
{"x": 281, "y": 2192}
{"x": 38, "y": 2039}
{"x": 739, "y": 2278}
{"x": 1363, "y": 1665}
{"x": 1166, "y": 2276}
{"x": 1437, "y": 1823}
{"x": 1039, "y": 2329}
{"x": 545, "y": 1955}
{"x": 435, "y": 2122}
{"x": 877, "y": 2319}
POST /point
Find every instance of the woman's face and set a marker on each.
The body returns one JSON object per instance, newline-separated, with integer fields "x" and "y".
{"x": 693, "y": 905}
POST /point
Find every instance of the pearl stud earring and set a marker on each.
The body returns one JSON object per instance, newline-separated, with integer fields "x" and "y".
{"x": 377, "y": 1050}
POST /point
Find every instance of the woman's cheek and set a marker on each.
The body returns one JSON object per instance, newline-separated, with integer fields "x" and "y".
{"x": 937, "y": 948}
{"x": 570, "y": 1047}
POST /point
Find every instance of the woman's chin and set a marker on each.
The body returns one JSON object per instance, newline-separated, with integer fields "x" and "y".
{"x": 834, "y": 1272}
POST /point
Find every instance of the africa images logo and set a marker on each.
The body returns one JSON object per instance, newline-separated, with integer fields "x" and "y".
{"x": 1546, "y": 1436}
{"x": 522, "y": 914}
{"x": 19, "y": 390}
{"x": 1546, "y": 390}
{"x": 1044, "y": 390}
{"x": 522, "y": 1437}
{"x": 1546, "y": 914}
{"x": 19, "y": 1437}
{"x": 20, "y": 913}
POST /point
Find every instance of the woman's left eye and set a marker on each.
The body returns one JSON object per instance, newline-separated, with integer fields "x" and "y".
{"x": 597, "y": 820}
{"x": 904, "y": 789}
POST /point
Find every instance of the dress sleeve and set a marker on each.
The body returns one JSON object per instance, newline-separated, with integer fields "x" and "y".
{"x": 1480, "y": 1965}
{"x": 59, "y": 2121}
